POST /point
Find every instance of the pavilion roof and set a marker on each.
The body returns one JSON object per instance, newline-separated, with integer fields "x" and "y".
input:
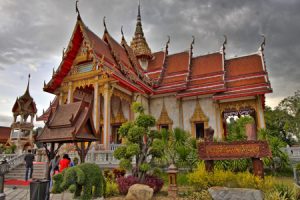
{"x": 4, "y": 134}
{"x": 69, "y": 123}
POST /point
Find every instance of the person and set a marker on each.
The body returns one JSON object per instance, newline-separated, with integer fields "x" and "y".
{"x": 64, "y": 163}
{"x": 29, "y": 158}
{"x": 54, "y": 164}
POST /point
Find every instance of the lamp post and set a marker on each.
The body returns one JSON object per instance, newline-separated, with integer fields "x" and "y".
{"x": 172, "y": 173}
{"x": 4, "y": 167}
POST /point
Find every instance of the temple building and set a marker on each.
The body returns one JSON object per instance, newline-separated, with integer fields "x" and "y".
{"x": 179, "y": 90}
{"x": 24, "y": 111}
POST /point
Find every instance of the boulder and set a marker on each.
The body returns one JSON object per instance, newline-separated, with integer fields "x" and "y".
{"x": 139, "y": 192}
{"x": 223, "y": 193}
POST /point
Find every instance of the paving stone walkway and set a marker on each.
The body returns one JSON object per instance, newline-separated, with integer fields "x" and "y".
{"x": 22, "y": 193}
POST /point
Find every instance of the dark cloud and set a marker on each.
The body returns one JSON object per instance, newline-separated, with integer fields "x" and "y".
{"x": 5, "y": 120}
{"x": 33, "y": 33}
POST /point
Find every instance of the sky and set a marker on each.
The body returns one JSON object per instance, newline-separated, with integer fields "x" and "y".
{"x": 33, "y": 34}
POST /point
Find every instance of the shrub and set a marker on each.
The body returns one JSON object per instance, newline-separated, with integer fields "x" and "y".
{"x": 154, "y": 182}
{"x": 124, "y": 183}
{"x": 119, "y": 172}
{"x": 203, "y": 195}
{"x": 72, "y": 188}
{"x": 109, "y": 175}
{"x": 111, "y": 189}
{"x": 285, "y": 191}
{"x": 57, "y": 180}
{"x": 202, "y": 179}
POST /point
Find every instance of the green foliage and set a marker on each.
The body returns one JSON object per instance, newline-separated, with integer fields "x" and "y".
{"x": 72, "y": 188}
{"x": 179, "y": 148}
{"x": 202, "y": 195}
{"x": 285, "y": 191}
{"x": 141, "y": 143}
{"x": 111, "y": 189}
{"x": 240, "y": 165}
{"x": 279, "y": 159}
{"x": 237, "y": 128}
{"x": 201, "y": 179}
{"x": 57, "y": 181}
{"x": 84, "y": 177}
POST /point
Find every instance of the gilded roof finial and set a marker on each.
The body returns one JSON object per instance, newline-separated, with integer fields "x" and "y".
{"x": 77, "y": 10}
{"x": 262, "y": 45}
{"x": 27, "y": 89}
{"x": 104, "y": 24}
{"x": 139, "y": 44}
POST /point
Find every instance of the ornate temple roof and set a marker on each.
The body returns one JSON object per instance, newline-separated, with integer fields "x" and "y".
{"x": 25, "y": 103}
{"x": 69, "y": 123}
{"x": 139, "y": 44}
{"x": 181, "y": 73}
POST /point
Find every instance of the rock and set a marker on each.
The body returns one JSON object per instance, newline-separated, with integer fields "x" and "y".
{"x": 139, "y": 192}
{"x": 223, "y": 193}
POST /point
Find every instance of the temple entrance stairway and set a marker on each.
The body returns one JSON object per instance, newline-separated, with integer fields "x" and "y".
{"x": 18, "y": 173}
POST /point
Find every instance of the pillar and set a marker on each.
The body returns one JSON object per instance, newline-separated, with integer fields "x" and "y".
{"x": 106, "y": 118}
{"x": 60, "y": 98}
{"x": 70, "y": 93}
{"x": 181, "y": 124}
{"x": 96, "y": 107}
{"x": 260, "y": 114}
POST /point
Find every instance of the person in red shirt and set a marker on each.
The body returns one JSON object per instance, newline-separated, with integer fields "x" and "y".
{"x": 64, "y": 163}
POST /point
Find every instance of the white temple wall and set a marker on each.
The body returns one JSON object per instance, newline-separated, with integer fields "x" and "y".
{"x": 171, "y": 106}
{"x": 208, "y": 108}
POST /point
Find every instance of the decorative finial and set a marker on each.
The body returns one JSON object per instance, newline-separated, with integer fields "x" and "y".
{"x": 104, "y": 24}
{"x": 53, "y": 72}
{"x": 262, "y": 45}
{"x": 122, "y": 31}
{"x": 77, "y": 10}
{"x": 167, "y": 44}
{"x": 193, "y": 42}
{"x": 63, "y": 53}
{"x": 224, "y": 43}
{"x": 44, "y": 83}
{"x": 27, "y": 89}
{"x": 139, "y": 10}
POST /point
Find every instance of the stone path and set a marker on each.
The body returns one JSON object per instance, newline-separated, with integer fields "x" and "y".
{"x": 24, "y": 194}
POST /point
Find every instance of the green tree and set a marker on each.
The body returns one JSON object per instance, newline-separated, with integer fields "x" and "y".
{"x": 291, "y": 106}
{"x": 142, "y": 143}
{"x": 179, "y": 148}
{"x": 237, "y": 128}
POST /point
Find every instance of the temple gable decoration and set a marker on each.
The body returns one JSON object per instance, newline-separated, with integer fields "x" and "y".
{"x": 164, "y": 121}
{"x": 199, "y": 121}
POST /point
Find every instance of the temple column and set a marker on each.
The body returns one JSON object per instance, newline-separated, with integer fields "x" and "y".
{"x": 260, "y": 114}
{"x": 107, "y": 92}
{"x": 70, "y": 93}
{"x": 96, "y": 107}
{"x": 60, "y": 98}
{"x": 180, "y": 109}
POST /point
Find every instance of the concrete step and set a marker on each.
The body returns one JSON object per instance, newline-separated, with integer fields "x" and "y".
{"x": 39, "y": 171}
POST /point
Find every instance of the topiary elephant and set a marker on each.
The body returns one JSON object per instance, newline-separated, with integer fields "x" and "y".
{"x": 87, "y": 178}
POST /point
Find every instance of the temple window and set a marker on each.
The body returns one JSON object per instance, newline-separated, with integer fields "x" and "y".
{"x": 115, "y": 137}
{"x": 164, "y": 121}
{"x": 164, "y": 126}
{"x": 199, "y": 127}
{"x": 199, "y": 122}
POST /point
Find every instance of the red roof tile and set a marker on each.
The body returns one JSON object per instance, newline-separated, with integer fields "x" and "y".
{"x": 156, "y": 62}
{"x": 207, "y": 64}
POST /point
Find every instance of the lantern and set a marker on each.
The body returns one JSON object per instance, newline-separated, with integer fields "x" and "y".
{"x": 172, "y": 174}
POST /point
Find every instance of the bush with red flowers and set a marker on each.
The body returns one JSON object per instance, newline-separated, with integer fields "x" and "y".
{"x": 154, "y": 182}
{"x": 124, "y": 183}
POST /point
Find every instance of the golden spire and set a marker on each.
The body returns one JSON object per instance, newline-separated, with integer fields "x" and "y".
{"x": 139, "y": 44}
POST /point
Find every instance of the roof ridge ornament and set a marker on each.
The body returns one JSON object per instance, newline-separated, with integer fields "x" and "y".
{"x": 263, "y": 44}
{"x": 167, "y": 45}
{"x": 104, "y": 24}
{"x": 77, "y": 10}
{"x": 123, "y": 38}
{"x": 223, "y": 47}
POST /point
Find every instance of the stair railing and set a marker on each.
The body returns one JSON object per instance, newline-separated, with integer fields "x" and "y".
{"x": 16, "y": 161}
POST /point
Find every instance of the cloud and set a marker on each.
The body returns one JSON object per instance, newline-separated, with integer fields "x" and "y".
{"x": 33, "y": 33}
{"x": 5, "y": 120}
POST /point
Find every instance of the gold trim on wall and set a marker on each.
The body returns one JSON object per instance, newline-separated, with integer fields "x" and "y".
{"x": 198, "y": 117}
{"x": 164, "y": 118}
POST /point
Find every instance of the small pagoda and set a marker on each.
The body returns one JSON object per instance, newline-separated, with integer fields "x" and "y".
{"x": 69, "y": 123}
{"x": 24, "y": 111}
